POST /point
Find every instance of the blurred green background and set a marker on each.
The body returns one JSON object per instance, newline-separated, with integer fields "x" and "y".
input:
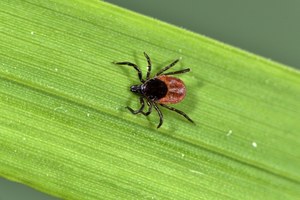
{"x": 268, "y": 28}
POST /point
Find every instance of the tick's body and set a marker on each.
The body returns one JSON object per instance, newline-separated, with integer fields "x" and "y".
{"x": 161, "y": 89}
{"x": 175, "y": 90}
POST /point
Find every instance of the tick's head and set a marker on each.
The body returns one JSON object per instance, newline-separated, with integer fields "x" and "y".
{"x": 136, "y": 89}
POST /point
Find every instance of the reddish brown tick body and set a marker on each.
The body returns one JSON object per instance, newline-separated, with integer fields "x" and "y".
{"x": 162, "y": 89}
{"x": 175, "y": 90}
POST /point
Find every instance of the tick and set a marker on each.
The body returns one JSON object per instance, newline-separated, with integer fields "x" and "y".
{"x": 162, "y": 89}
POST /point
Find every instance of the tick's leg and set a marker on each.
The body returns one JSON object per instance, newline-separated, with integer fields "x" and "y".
{"x": 177, "y": 72}
{"x": 139, "y": 110}
{"x": 149, "y": 110}
{"x": 149, "y": 66}
{"x": 167, "y": 67}
{"x": 134, "y": 66}
{"x": 178, "y": 111}
{"x": 161, "y": 118}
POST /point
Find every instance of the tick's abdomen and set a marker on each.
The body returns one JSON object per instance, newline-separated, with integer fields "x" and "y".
{"x": 154, "y": 89}
{"x": 175, "y": 90}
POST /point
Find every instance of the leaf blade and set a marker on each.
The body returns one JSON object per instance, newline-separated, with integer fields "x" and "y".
{"x": 65, "y": 130}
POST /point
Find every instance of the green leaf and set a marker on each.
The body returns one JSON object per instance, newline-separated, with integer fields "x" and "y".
{"x": 65, "y": 129}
